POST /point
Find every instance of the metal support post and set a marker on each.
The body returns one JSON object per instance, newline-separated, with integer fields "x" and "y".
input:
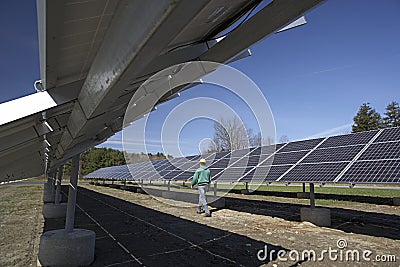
{"x": 312, "y": 196}
{"x": 73, "y": 186}
{"x": 169, "y": 185}
{"x": 215, "y": 188}
{"x": 51, "y": 182}
{"x": 58, "y": 188}
{"x": 247, "y": 185}
{"x": 304, "y": 187}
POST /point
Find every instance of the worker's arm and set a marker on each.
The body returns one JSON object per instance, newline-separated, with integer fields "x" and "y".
{"x": 195, "y": 178}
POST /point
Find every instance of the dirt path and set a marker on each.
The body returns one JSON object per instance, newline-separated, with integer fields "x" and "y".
{"x": 158, "y": 233}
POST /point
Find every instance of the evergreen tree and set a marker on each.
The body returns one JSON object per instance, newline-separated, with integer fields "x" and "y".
{"x": 366, "y": 119}
{"x": 392, "y": 115}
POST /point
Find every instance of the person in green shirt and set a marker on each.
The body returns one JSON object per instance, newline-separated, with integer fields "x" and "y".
{"x": 202, "y": 178}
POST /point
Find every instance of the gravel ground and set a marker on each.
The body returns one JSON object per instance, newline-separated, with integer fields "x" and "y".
{"x": 232, "y": 236}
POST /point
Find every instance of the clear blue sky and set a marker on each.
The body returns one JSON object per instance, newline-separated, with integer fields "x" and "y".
{"x": 314, "y": 77}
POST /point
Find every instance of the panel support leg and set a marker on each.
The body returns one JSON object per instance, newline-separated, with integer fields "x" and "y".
{"x": 317, "y": 216}
{"x": 304, "y": 187}
{"x": 169, "y": 185}
{"x": 73, "y": 186}
{"x": 215, "y": 188}
{"x": 55, "y": 209}
{"x": 69, "y": 246}
{"x": 57, "y": 198}
{"x": 312, "y": 196}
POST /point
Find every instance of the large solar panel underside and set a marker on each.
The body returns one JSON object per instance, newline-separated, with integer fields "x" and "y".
{"x": 366, "y": 157}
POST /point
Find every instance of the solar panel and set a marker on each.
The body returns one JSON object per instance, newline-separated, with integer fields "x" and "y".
{"x": 333, "y": 154}
{"x": 388, "y": 150}
{"x": 314, "y": 172}
{"x": 266, "y": 173}
{"x": 221, "y": 163}
{"x": 301, "y": 145}
{"x": 348, "y": 139}
{"x": 377, "y": 171}
{"x": 171, "y": 175}
{"x": 371, "y": 157}
{"x": 389, "y": 134}
{"x": 288, "y": 157}
{"x": 240, "y": 153}
{"x": 231, "y": 174}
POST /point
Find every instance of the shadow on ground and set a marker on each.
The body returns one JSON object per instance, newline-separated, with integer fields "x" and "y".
{"x": 128, "y": 235}
{"x": 352, "y": 198}
{"x": 351, "y": 221}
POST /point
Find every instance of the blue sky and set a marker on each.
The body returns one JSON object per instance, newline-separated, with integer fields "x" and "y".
{"x": 314, "y": 77}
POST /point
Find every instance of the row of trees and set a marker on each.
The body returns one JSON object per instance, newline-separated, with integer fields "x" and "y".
{"x": 368, "y": 118}
{"x": 96, "y": 158}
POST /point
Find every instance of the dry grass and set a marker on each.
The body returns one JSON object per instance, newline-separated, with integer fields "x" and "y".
{"x": 21, "y": 223}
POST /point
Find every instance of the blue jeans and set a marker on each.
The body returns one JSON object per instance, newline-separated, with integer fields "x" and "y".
{"x": 202, "y": 198}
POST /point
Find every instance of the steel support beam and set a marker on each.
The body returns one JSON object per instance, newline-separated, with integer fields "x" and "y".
{"x": 131, "y": 43}
{"x": 312, "y": 196}
{"x": 57, "y": 197}
{"x": 73, "y": 187}
{"x": 267, "y": 21}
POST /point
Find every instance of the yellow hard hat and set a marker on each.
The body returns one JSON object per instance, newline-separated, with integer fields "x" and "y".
{"x": 202, "y": 161}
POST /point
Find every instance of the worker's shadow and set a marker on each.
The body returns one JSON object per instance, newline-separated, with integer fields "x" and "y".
{"x": 127, "y": 233}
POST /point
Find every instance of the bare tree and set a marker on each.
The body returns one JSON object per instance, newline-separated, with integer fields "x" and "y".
{"x": 284, "y": 139}
{"x": 230, "y": 134}
{"x": 254, "y": 139}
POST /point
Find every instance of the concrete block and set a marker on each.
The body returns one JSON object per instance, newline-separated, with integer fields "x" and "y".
{"x": 305, "y": 195}
{"x": 245, "y": 191}
{"x": 48, "y": 197}
{"x": 140, "y": 190}
{"x": 396, "y": 201}
{"x": 152, "y": 192}
{"x": 59, "y": 248}
{"x": 51, "y": 210}
{"x": 317, "y": 216}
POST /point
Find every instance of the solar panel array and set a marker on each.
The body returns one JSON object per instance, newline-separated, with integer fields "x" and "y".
{"x": 366, "y": 157}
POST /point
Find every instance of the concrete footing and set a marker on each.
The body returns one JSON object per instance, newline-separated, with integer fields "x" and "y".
{"x": 140, "y": 190}
{"x": 48, "y": 197}
{"x": 51, "y": 210}
{"x": 59, "y": 248}
{"x": 216, "y": 202}
{"x": 305, "y": 195}
{"x": 396, "y": 201}
{"x": 317, "y": 216}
